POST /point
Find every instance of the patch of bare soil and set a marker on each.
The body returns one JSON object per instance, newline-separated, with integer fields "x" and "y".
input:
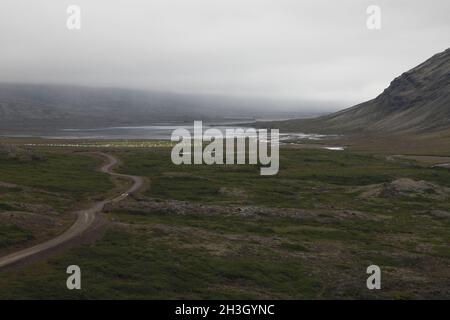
{"x": 405, "y": 187}
{"x": 440, "y": 214}
{"x": 9, "y": 185}
{"x": 425, "y": 160}
{"x": 233, "y": 192}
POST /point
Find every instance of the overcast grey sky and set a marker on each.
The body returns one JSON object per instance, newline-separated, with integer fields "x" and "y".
{"x": 294, "y": 49}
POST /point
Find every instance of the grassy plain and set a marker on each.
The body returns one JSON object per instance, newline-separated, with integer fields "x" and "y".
{"x": 227, "y": 232}
{"x": 38, "y": 190}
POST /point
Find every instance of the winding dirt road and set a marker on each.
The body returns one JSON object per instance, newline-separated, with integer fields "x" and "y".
{"x": 85, "y": 218}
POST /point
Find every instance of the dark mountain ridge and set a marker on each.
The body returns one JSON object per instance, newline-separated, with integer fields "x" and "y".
{"x": 418, "y": 101}
{"x": 28, "y": 108}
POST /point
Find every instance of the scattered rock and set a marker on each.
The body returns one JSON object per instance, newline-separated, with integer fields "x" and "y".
{"x": 405, "y": 187}
{"x": 158, "y": 206}
{"x": 440, "y": 213}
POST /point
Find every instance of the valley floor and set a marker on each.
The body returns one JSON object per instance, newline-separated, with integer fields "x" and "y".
{"x": 227, "y": 232}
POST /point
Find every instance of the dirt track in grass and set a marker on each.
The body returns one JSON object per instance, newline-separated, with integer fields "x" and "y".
{"x": 87, "y": 224}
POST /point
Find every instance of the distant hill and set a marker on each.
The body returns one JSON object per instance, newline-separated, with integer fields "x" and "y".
{"x": 416, "y": 102}
{"x": 28, "y": 108}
